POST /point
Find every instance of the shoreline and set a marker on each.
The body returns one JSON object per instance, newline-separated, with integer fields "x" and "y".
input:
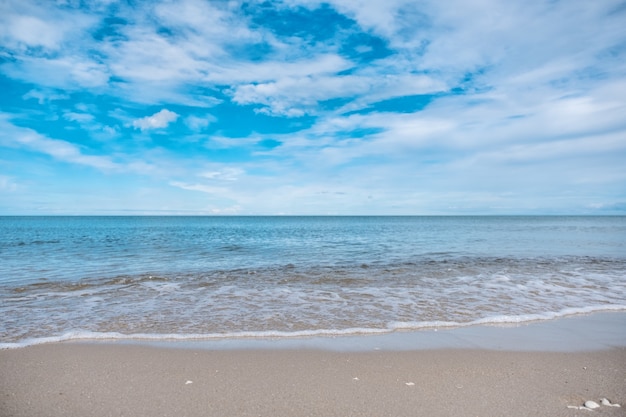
{"x": 532, "y": 369}
{"x": 579, "y": 332}
{"x": 576, "y": 332}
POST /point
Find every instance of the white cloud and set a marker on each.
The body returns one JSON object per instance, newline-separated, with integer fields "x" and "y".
{"x": 150, "y": 93}
{"x": 271, "y": 70}
{"x": 65, "y": 72}
{"x": 149, "y": 57}
{"x": 446, "y": 41}
{"x": 224, "y": 174}
{"x": 24, "y": 24}
{"x": 158, "y": 120}
{"x": 33, "y": 32}
{"x": 44, "y": 96}
{"x": 20, "y": 137}
{"x": 58, "y": 149}
{"x": 208, "y": 189}
{"x": 489, "y": 129}
{"x": 78, "y": 117}
{"x": 537, "y": 86}
{"x": 197, "y": 123}
{"x": 297, "y": 96}
{"x": 110, "y": 130}
{"x": 209, "y": 20}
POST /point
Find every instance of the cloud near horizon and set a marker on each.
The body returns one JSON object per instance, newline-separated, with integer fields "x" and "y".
{"x": 312, "y": 107}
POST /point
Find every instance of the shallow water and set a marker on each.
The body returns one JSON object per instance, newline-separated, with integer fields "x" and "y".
{"x": 225, "y": 277}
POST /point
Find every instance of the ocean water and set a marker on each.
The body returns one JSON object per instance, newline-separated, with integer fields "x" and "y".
{"x": 231, "y": 277}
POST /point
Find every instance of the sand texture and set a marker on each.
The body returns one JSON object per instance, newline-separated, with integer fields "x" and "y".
{"x": 75, "y": 379}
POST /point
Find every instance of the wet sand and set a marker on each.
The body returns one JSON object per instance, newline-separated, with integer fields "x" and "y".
{"x": 82, "y": 379}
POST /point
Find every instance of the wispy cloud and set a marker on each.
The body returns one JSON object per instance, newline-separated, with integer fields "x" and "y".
{"x": 198, "y": 123}
{"x": 308, "y": 106}
{"x": 17, "y": 137}
{"x": 7, "y": 184}
{"x": 58, "y": 149}
{"x": 44, "y": 96}
{"x": 225, "y": 174}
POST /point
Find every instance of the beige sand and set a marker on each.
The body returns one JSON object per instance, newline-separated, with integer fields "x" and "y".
{"x": 126, "y": 380}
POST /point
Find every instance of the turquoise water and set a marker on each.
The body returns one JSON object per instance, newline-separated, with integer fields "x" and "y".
{"x": 206, "y": 277}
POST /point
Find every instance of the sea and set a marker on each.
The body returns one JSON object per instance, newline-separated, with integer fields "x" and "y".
{"x": 204, "y": 278}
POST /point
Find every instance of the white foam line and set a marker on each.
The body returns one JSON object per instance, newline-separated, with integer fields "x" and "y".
{"x": 391, "y": 327}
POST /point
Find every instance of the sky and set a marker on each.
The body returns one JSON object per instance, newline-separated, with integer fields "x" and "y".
{"x": 305, "y": 107}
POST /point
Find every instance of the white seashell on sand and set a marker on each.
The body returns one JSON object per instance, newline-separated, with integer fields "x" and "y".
{"x": 605, "y": 401}
{"x": 410, "y": 384}
{"x": 188, "y": 382}
{"x": 591, "y": 404}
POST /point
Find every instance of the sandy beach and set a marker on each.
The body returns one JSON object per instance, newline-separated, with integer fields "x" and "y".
{"x": 81, "y": 379}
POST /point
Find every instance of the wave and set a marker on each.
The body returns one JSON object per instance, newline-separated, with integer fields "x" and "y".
{"x": 499, "y": 320}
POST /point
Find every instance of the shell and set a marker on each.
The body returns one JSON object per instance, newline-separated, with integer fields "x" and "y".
{"x": 605, "y": 401}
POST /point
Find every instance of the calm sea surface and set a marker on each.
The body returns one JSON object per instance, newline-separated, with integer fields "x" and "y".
{"x": 214, "y": 277}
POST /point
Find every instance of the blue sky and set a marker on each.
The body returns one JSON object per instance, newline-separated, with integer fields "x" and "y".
{"x": 309, "y": 107}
